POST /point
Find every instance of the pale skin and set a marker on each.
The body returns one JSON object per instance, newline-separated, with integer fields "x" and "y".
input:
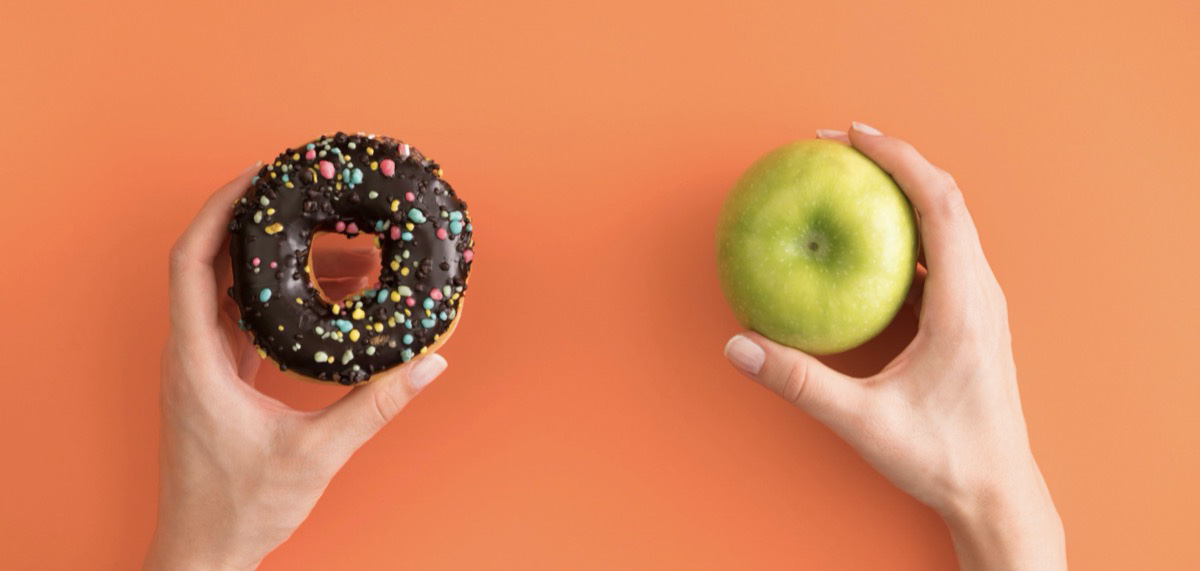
{"x": 240, "y": 471}
{"x": 943, "y": 420}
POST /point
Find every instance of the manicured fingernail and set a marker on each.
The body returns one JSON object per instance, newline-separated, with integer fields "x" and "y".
{"x": 426, "y": 370}
{"x": 864, "y": 128}
{"x": 745, "y": 354}
{"x": 829, "y": 133}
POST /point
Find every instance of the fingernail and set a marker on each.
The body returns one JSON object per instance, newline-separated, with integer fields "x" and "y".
{"x": 829, "y": 133}
{"x": 426, "y": 370}
{"x": 252, "y": 167}
{"x": 865, "y": 128}
{"x": 745, "y": 354}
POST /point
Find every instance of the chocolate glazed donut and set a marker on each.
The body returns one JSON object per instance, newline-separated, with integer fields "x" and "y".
{"x": 349, "y": 184}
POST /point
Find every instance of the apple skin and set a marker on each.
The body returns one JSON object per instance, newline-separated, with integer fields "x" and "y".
{"x": 816, "y": 247}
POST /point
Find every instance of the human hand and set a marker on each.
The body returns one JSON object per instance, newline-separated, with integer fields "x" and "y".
{"x": 943, "y": 420}
{"x": 239, "y": 471}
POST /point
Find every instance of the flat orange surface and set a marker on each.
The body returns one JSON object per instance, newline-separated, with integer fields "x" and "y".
{"x": 588, "y": 419}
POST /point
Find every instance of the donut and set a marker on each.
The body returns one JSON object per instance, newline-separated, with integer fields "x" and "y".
{"x": 349, "y": 184}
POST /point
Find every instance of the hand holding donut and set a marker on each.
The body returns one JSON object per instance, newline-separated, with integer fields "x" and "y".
{"x": 239, "y": 471}
{"x": 943, "y": 420}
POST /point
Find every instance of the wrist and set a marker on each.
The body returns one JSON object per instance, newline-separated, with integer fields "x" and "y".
{"x": 188, "y": 538}
{"x": 1010, "y": 523}
{"x": 168, "y": 554}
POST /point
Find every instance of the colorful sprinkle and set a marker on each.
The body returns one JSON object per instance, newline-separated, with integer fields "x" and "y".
{"x": 441, "y": 234}
{"x": 416, "y": 215}
{"x": 273, "y": 229}
{"x": 427, "y": 304}
{"x": 394, "y": 233}
{"x": 340, "y": 226}
{"x": 410, "y": 302}
{"x": 264, "y": 295}
{"x": 256, "y": 261}
{"x": 352, "y": 228}
{"x": 383, "y": 295}
{"x": 358, "y": 313}
{"x": 436, "y": 295}
{"x": 409, "y": 196}
{"x": 347, "y": 356}
{"x": 456, "y": 227}
{"x": 468, "y": 254}
{"x": 310, "y": 154}
{"x": 326, "y": 169}
{"x": 387, "y": 167}
{"x": 320, "y": 357}
{"x": 407, "y": 339}
{"x": 354, "y": 335}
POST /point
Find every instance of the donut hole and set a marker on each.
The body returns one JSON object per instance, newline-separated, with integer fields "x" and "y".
{"x": 343, "y": 265}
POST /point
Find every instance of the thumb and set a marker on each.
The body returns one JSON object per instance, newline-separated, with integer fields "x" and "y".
{"x": 366, "y": 409}
{"x": 827, "y": 395}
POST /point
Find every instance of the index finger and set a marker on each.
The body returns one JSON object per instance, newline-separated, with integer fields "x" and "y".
{"x": 192, "y": 291}
{"x": 948, "y": 234}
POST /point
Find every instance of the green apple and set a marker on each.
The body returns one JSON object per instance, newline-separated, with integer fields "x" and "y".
{"x": 816, "y": 247}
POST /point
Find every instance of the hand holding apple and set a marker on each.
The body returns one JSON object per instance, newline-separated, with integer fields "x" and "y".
{"x": 942, "y": 421}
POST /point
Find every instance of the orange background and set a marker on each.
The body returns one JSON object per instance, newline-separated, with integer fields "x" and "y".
{"x": 588, "y": 419}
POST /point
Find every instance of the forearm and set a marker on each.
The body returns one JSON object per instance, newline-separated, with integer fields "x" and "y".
{"x": 1014, "y": 527}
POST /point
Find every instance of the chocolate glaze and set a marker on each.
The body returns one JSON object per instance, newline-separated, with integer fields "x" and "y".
{"x": 292, "y": 199}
